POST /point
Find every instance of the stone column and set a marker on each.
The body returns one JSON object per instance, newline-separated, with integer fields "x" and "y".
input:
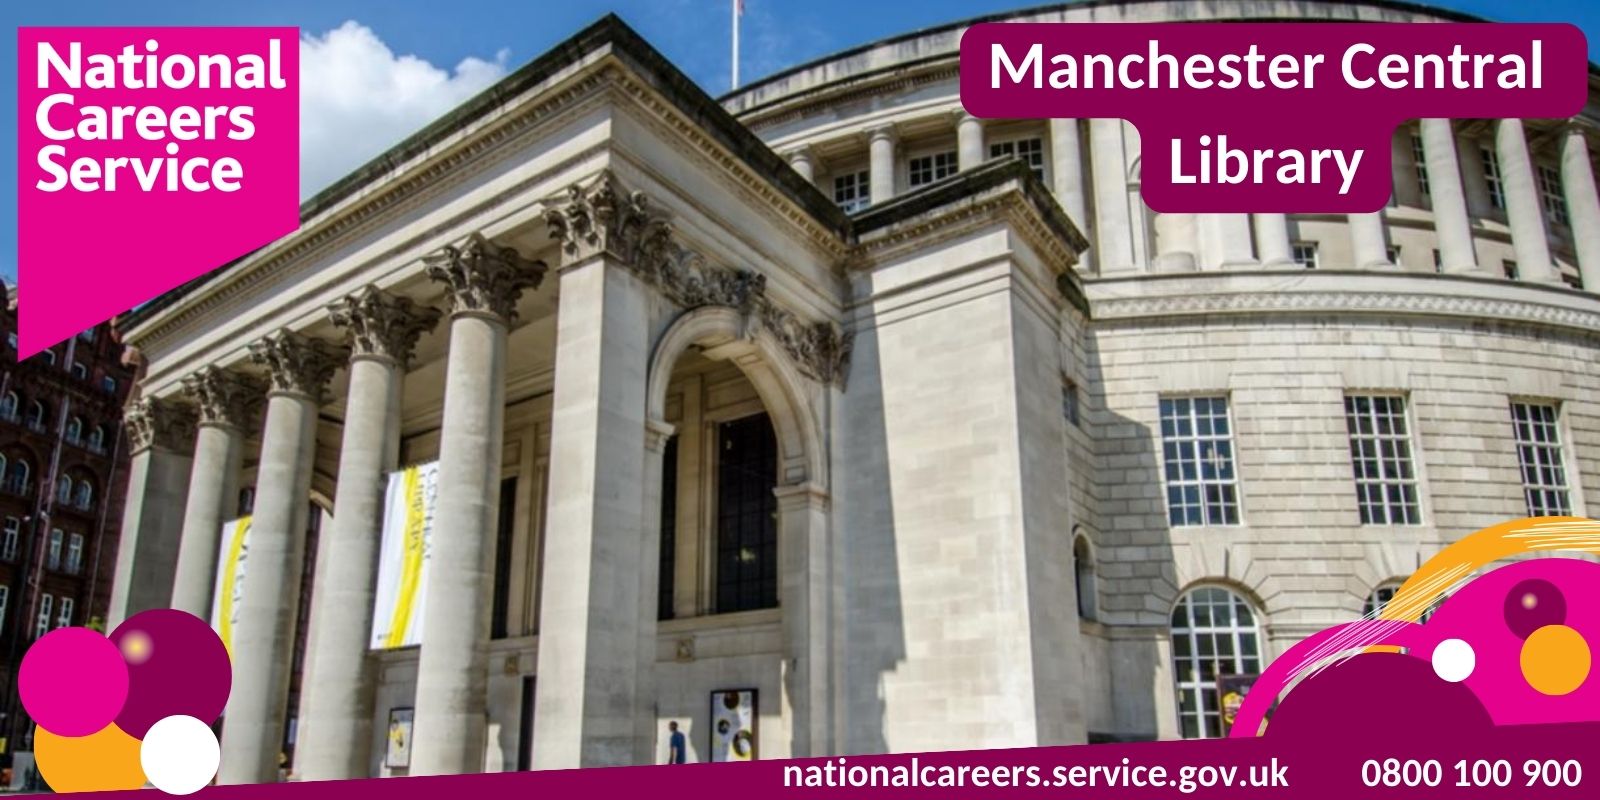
{"x": 1583, "y": 204}
{"x": 263, "y": 642}
{"x": 336, "y": 701}
{"x": 804, "y": 163}
{"x": 590, "y": 623}
{"x": 1066, "y": 172}
{"x": 657, "y": 432}
{"x": 1369, "y": 243}
{"x": 804, "y": 591}
{"x": 159, "y": 436}
{"x": 484, "y": 281}
{"x": 1177, "y": 243}
{"x": 1450, "y": 219}
{"x": 1272, "y": 239}
{"x": 969, "y": 142}
{"x": 225, "y": 400}
{"x": 1225, "y": 241}
{"x": 880, "y": 144}
{"x": 1113, "y": 224}
{"x": 1523, "y": 211}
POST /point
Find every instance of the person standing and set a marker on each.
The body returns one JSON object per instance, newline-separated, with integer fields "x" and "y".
{"x": 677, "y": 745}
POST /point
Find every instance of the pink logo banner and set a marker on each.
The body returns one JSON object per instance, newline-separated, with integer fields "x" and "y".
{"x": 147, "y": 157}
{"x": 1285, "y": 117}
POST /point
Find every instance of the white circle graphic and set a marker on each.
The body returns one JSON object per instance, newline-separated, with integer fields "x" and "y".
{"x": 179, "y": 755}
{"x": 1454, "y": 660}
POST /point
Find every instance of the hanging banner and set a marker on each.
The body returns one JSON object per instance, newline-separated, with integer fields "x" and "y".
{"x": 402, "y": 592}
{"x": 229, "y": 586}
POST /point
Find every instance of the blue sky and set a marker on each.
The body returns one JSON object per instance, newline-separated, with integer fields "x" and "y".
{"x": 401, "y": 62}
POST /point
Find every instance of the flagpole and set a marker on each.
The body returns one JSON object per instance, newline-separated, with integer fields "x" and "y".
{"x": 736, "y": 44}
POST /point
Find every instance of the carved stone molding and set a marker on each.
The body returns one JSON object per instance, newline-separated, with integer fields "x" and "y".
{"x": 224, "y": 397}
{"x": 298, "y": 364}
{"x": 605, "y": 218}
{"x": 380, "y": 325}
{"x": 484, "y": 278}
{"x": 152, "y": 422}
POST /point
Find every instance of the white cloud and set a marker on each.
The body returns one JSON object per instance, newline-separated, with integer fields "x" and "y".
{"x": 357, "y": 98}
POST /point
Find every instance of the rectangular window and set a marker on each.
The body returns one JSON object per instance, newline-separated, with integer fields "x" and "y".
{"x": 505, "y": 529}
{"x": 1421, "y": 160}
{"x": 5, "y": 602}
{"x": 1509, "y": 268}
{"x": 75, "y": 553}
{"x": 1392, "y": 253}
{"x": 53, "y": 560}
{"x": 108, "y": 385}
{"x": 1197, "y": 446}
{"x": 1438, "y": 260}
{"x": 1544, "y": 473}
{"x": 13, "y": 532}
{"x": 1031, "y": 151}
{"x": 1380, "y": 451}
{"x": 1069, "y": 403}
{"x": 64, "y": 619}
{"x": 1304, "y": 254}
{"x": 1491, "y": 178}
{"x": 747, "y": 515}
{"x": 41, "y": 623}
{"x": 668, "y": 561}
{"x": 1551, "y": 196}
{"x": 927, "y": 169}
{"x": 853, "y": 191}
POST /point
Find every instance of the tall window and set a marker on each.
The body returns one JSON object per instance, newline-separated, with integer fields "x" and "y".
{"x": 97, "y": 439}
{"x": 80, "y": 371}
{"x": 1544, "y": 474}
{"x": 5, "y": 603}
{"x": 1214, "y": 633}
{"x": 668, "y": 561}
{"x": 1380, "y": 450}
{"x": 505, "y": 528}
{"x": 36, "y": 414}
{"x": 1197, "y": 446}
{"x": 17, "y": 479}
{"x": 57, "y": 539}
{"x": 41, "y": 623}
{"x": 853, "y": 191}
{"x": 1380, "y": 597}
{"x": 1551, "y": 196}
{"x": 83, "y": 498}
{"x": 8, "y": 406}
{"x": 1421, "y": 160}
{"x": 64, "y": 490}
{"x": 927, "y": 169}
{"x": 1491, "y": 177}
{"x": 1083, "y": 575}
{"x": 75, "y": 553}
{"x": 13, "y": 534}
{"x": 64, "y": 618}
{"x": 74, "y": 430}
{"x": 1304, "y": 254}
{"x": 108, "y": 385}
{"x": 747, "y": 515}
{"x": 1031, "y": 151}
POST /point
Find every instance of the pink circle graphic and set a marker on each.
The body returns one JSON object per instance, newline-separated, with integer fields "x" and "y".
{"x": 73, "y": 682}
{"x": 176, "y": 667}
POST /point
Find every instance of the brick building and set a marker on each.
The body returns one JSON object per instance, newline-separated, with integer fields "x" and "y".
{"x": 63, "y": 472}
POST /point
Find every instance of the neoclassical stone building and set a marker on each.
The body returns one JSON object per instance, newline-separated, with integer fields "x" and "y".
{"x": 922, "y": 427}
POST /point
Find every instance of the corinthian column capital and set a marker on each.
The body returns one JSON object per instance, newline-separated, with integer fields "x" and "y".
{"x": 224, "y": 397}
{"x": 298, "y": 364}
{"x": 605, "y": 219}
{"x": 484, "y": 278}
{"x": 153, "y": 422}
{"x": 380, "y": 325}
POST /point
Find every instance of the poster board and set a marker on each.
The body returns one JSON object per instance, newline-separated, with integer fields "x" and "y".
{"x": 401, "y": 598}
{"x": 733, "y": 725}
{"x": 397, "y": 751}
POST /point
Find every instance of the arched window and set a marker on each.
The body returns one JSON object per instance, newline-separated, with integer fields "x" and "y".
{"x": 36, "y": 414}
{"x": 1083, "y": 575}
{"x": 20, "y": 473}
{"x": 85, "y": 496}
{"x": 1214, "y": 633}
{"x": 75, "y": 430}
{"x": 1384, "y": 592}
{"x": 97, "y": 438}
{"x": 2, "y": 465}
{"x": 9, "y": 405}
{"x": 63, "y": 490}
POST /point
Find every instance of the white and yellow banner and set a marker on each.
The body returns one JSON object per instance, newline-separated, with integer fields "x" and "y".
{"x": 230, "y": 579}
{"x": 403, "y": 558}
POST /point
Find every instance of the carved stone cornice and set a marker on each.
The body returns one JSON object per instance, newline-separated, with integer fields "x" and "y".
{"x": 298, "y": 364}
{"x": 224, "y": 397}
{"x": 153, "y": 422}
{"x": 605, "y": 219}
{"x": 484, "y": 278}
{"x": 380, "y": 325}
